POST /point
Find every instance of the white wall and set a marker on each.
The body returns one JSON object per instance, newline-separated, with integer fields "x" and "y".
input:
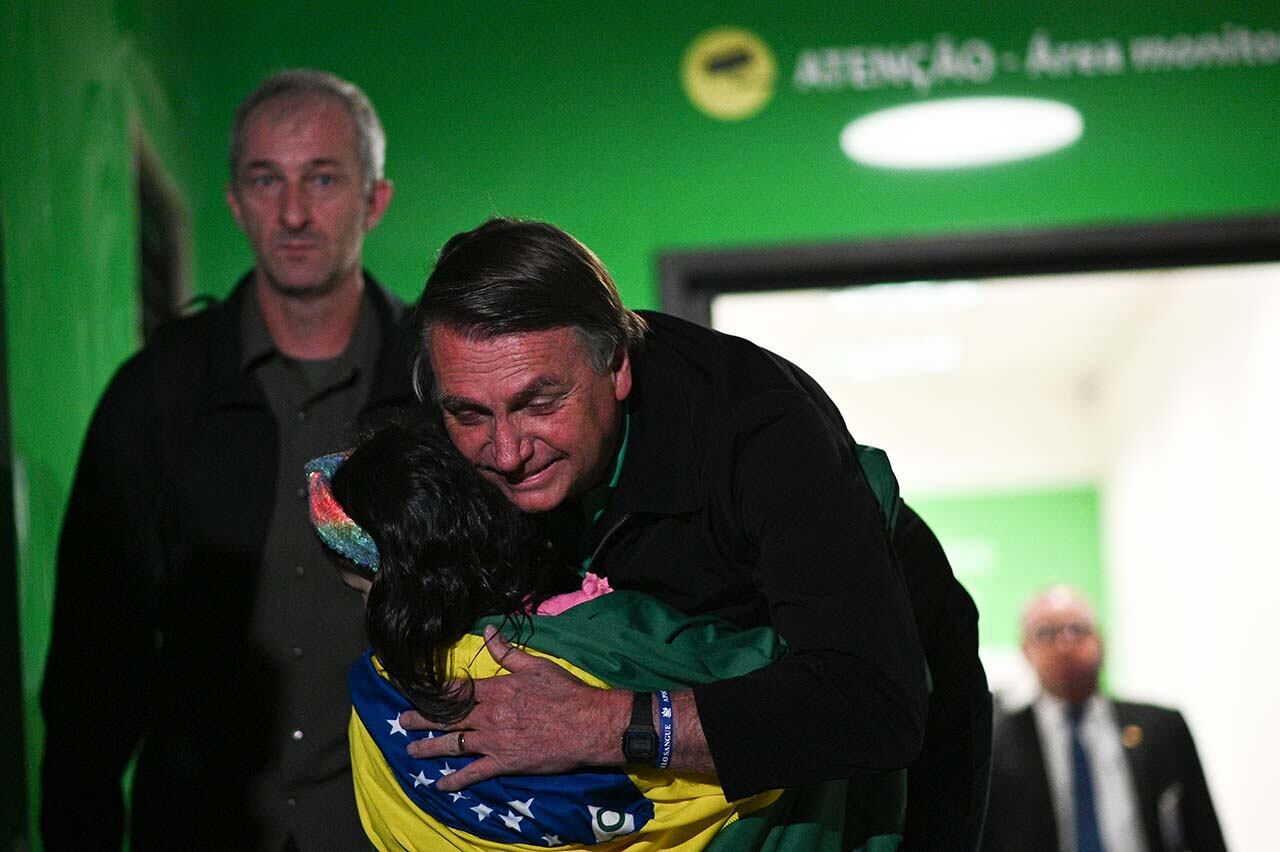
{"x": 1190, "y": 417}
{"x": 1177, "y": 424}
{"x": 970, "y": 434}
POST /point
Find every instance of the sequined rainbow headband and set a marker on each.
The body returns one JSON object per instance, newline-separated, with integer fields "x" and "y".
{"x": 334, "y": 526}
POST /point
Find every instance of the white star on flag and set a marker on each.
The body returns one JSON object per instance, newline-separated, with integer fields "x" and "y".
{"x": 457, "y": 796}
{"x": 482, "y": 811}
{"x": 421, "y": 780}
{"x": 395, "y": 727}
{"x": 512, "y": 820}
{"x": 525, "y": 807}
{"x": 448, "y": 770}
{"x": 551, "y": 840}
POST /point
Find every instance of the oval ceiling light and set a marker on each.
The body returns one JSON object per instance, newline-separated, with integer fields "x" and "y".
{"x": 960, "y": 133}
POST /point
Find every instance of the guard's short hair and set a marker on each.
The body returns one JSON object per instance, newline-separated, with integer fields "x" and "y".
{"x": 510, "y": 276}
{"x": 302, "y": 83}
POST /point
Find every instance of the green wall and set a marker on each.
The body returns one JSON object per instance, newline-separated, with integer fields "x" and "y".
{"x": 575, "y": 112}
{"x": 572, "y": 112}
{"x": 1007, "y": 547}
{"x": 76, "y": 86}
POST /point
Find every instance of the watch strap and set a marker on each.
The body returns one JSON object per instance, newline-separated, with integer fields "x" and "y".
{"x": 642, "y": 710}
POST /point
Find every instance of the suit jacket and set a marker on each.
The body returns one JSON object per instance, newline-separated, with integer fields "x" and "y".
{"x": 1173, "y": 799}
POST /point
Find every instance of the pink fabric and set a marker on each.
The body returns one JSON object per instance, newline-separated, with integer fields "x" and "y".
{"x": 592, "y": 587}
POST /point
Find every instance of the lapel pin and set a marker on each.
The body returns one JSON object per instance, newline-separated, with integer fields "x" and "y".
{"x": 1131, "y": 736}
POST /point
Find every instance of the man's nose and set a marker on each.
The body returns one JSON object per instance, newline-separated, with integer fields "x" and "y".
{"x": 511, "y": 450}
{"x": 295, "y": 209}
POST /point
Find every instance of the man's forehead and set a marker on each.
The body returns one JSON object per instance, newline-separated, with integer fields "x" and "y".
{"x": 319, "y": 120}
{"x": 1058, "y": 605}
{"x": 296, "y": 108}
{"x": 470, "y": 365}
{"x": 451, "y": 346}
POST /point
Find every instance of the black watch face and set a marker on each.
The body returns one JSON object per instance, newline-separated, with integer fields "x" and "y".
{"x": 640, "y": 746}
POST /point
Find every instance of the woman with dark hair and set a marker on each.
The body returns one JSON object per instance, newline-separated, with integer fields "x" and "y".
{"x": 449, "y": 549}
{"x": 445, "y": 559}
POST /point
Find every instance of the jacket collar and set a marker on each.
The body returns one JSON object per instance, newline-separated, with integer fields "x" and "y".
{"x": 230, "y": 385}
{"x": 663, "y": 472}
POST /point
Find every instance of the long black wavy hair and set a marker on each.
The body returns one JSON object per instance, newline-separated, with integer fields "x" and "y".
{"x": 451, "y": 549}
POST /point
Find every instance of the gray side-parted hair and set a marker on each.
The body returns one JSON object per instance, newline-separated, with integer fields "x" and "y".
{"x": 301, "y": 83}
{"x": 510, "y": 276}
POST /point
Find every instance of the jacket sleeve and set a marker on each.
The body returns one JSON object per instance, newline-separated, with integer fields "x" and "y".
{"x": 101, "y": 659}
{"x": 1200, "y": 821}
{"x": 851, "y": 693}
{"x": 947, "y": 787}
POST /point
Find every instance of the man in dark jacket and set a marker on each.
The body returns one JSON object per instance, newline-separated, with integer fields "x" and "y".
{"x": 698, "y": 468}
{"x": 1078, "y": 771}
{"x": 197, "y": 620}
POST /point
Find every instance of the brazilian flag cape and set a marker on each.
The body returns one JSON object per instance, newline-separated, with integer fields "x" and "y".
{"x": 624, "y": 640}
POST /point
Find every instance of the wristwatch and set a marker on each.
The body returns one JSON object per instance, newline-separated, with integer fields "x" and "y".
{"x": 640, "y": 740}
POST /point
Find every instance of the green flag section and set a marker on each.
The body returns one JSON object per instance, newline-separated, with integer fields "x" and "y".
{"x": 883, "y": 482}
{"x": 632, "y": 641}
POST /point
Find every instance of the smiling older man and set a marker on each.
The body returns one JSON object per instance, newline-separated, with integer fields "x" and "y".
{"x": 690, "y": 465}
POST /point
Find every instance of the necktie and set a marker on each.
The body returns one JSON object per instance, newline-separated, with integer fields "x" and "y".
{"x": 1088, "y": 837}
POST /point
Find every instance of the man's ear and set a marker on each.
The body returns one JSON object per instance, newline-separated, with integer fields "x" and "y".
{"x": 234, "y": 203}
{"x": 622, "y": 375}
{"x": 379, "y": 198}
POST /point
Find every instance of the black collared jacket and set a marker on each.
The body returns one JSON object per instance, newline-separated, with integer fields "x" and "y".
{"x": 157, "y": 562}
{"x": 741, "y": 496}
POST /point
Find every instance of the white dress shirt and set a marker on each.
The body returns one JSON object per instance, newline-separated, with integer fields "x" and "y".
{"x": 1113, "y": 790}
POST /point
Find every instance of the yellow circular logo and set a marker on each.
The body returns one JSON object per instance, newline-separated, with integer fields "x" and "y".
{"x": 728, "y": 73}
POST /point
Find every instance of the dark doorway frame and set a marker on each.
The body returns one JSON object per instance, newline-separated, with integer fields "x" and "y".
{"x": 689, "y": 280}
{"x": 164, "y": 241}
{"x": 13, "y": 771}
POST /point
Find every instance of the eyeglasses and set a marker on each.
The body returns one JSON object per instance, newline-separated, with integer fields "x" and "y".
{"x": 1074, "y": 631}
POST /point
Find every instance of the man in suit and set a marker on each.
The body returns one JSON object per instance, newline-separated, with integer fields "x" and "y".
{"x": 1077, "y": 771}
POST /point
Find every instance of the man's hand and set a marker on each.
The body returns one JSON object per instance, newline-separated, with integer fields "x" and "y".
{"x": 539, "y": 719}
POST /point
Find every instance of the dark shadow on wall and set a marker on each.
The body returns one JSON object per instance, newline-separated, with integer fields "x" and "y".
{"x": 13, "y": 776}
{"x": 164, "y": 240}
